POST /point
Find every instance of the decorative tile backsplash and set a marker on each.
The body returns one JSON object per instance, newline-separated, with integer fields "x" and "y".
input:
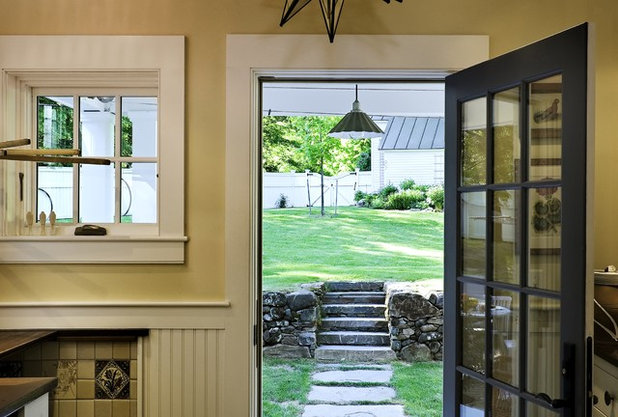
{"x": 96, "y": 378}
{"x": 112, "y": 379}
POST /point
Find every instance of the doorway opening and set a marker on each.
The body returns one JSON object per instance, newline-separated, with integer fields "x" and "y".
{"x": 351, "y": 237}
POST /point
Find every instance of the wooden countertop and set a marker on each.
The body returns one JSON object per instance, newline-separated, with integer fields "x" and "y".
{"x": 15, "y": 339}
{"x": 17, "y": 392}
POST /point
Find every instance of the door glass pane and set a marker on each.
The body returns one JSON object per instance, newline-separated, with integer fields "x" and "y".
{"x": 543, "y": 359}
{"x": 54, "y": 180}
{"x": 506, "y": 236}
{"x": 472, "y": 397}
{"x": 504, "y": 404}
{"x": 473, "y": 219}
{"x": 138, "y": 193}
{"x": 473, "y": 326}
{"x": 506, "y": 136}
{"x": 545, "y": 135}
{"x": 139, "y": 127}
{"x": 96, "y": 194}
{"x": 534, "y": 410}
{"x": 474, "y": 142}
{"x": 505, "y": 332}
{"x": 97, "y": 120}
{"x": 544, "y": 233}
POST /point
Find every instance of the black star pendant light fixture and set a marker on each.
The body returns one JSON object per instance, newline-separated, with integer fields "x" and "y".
{"x": 331, "y": 12}
{"x": 356, "y": 124}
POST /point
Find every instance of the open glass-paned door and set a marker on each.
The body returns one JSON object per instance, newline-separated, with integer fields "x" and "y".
{"x": 515, "y": 274}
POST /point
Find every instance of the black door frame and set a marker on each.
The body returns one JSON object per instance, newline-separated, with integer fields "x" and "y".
{"x": 565, "y": 53}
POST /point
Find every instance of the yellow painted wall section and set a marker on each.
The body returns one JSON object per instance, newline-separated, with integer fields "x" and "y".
{"x": 205, "y": 24}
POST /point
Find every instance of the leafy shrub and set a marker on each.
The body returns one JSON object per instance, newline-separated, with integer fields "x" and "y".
{"x": 377, "y": 202}
{"x": 282, "y": 201}
{"x": 405, "y": 200}
{"x": 435, "y": 196}
{"x": 388, "y": 190}
{"x": 359, "y": 195}
{"x": 407, "y": 184}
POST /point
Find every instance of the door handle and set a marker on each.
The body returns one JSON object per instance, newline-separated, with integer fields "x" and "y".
{"x": 555, "y": 403}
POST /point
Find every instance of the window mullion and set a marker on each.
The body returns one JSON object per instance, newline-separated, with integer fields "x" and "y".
{"x": 117, "y": 165}
{"x": 76, "y": 167}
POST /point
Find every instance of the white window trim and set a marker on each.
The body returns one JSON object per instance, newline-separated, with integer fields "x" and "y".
{"x": 28, "y": 62}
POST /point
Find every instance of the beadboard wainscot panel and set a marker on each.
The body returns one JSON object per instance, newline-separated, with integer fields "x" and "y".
{"x": 182, "y": 373}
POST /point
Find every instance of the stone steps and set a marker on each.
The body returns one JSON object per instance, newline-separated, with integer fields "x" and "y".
{"x": 356, "y": 297}
{"x": 353, "y": 310}
{"x": 370, "y": 324}
{"x": 354, "y": 354}
{"x": 354, "y": 338}
{"x": 353, "y": 326}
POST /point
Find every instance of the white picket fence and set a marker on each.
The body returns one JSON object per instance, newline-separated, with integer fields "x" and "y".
{"x": 302, "y": 188}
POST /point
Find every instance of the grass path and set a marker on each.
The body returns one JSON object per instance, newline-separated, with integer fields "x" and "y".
{"x": 357, "y": 244}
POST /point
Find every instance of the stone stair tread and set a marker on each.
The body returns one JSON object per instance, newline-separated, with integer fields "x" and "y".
{"x": 329, "y": 410}
{"x": 355, "y": 286}
{"x": 352, "y": 298}
{"x": 336, "y": 319}
{"x": 352, "y": 333}
{"x": 346, "y": 395}
{"x": 355, "y": 348}
{"x": 368, "y": 305}
{"x": 343, "y": 376}
{"x": 357, "y": 293}
{"x": 346, "y": 354}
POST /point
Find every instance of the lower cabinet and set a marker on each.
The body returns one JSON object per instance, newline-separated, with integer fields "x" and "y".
{"x": 605, "y": 388}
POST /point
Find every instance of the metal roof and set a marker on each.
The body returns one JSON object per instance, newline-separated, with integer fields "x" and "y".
{"x": 412, "y": 133}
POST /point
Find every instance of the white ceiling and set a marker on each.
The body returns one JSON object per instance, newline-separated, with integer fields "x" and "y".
{"x": 421, "y": 99}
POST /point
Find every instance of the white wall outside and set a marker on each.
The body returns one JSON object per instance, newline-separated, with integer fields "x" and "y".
{"x": 425, "y": 167}
{"x": 294, "y": 186}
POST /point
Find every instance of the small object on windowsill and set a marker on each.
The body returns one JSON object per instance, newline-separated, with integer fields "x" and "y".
{"x": 42, "y": 219}
{"x": 610, "y": 268}
{"x": 52, "y": 222}
{"x": 90, "y": 230}
{"x": 29, "y": 221}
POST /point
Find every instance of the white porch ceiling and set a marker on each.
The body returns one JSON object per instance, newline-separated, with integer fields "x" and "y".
{"x": 420, "y": 99}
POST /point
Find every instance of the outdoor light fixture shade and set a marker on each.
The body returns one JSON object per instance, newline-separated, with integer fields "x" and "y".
{"x": 356, "y": 125}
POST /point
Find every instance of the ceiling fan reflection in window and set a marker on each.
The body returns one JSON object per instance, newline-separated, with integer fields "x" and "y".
{"x": 64, "y": 156}
{"x": 331, "y": 12}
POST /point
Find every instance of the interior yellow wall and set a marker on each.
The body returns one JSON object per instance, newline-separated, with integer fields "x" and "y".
{"x": 205, "y": 24}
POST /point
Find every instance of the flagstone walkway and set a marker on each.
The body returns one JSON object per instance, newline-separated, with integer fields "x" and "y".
{"x": 358, "y": 390}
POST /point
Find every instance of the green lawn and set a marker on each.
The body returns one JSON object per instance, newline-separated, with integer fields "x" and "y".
{"x": 356, "y": 244}
{"x": 419, "y": 387}
{"x": 285, "y": 385}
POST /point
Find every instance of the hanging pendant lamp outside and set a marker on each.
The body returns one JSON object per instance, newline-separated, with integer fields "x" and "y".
{"x": 356, "y": 124}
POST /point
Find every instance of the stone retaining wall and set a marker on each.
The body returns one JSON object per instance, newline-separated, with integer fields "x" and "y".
{"x": 415, "y": 322}
{"x": 290, "y": 322}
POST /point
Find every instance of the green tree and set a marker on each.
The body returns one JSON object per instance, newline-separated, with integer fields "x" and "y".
{"x": 302, "y": 142}
{"x": 55, "y": 132}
